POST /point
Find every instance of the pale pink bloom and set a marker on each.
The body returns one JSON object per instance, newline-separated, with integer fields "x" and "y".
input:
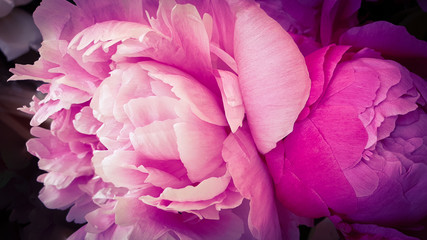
{"x": 158, "y": 111}
{"x": 358, "y": 150}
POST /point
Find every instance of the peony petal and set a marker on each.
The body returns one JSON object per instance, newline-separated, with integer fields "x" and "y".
{"x": 113, "y": 31}
{"x": 202, "y": 101}
{"x": 123, "y": 169}
{"x": 363, "y": 179}
{"x": 156, "y": 140}
{"x": 288, "y": 185}
{"x": 85, "y": 122}
{"x": 273, "y": 77}
{"x": 143, "y": 111}
{"x": 315, "y": 140}
{"x": 205, "y": 190}
{"x": 199, "y": 146}
{"x": 251, "y": 178}
{"x": 64, "y": 23}
{"x": 232, "y": 99}
{"x": 189, "y": 29}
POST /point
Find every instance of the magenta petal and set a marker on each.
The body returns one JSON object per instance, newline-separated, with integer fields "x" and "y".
{"x": 273, "y": 77}
{"x": 289, "y": 186}
{"x": 314, "y": 141}
{"x": 251, "y": 178}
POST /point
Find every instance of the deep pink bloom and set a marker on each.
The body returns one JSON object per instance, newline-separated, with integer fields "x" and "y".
{"x": 358, "y": 150}
{"x": 147, "y": 102}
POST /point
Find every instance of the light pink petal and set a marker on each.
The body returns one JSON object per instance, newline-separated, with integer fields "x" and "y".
{"x": 102, "y": 101}
{"x": 202, "y": 101}
{"x": 113, "y": 31}
{"x": 273, "y": 77}
{"x": 251, "y": 178}
{"x": 85, "y": 122}
{"x": 59, "y": 24}
{"x": 205, "y": 190}
{"x": 123, "y": 169}
{"x": 99, "y": 220}
{"x": 199, "y": 146}
{"x": 232, "y": 99}
{"x": 134, "y": 84}
{"x": 37, "y": 71}
{"x": 188, "y": 29}
{"x": 143, "y": 111}
{"x": 156, "y": 140}
{"x": 163, "y": 179}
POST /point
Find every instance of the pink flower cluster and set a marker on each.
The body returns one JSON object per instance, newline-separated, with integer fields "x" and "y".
{"x": 228, "y": 119}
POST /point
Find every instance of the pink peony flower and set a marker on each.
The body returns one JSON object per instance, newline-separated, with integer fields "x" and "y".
{"x": 156, "y": 114}
{"x": 358, "y": 150}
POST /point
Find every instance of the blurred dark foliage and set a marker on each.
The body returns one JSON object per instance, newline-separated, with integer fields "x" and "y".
{"x": 22, "y": 215}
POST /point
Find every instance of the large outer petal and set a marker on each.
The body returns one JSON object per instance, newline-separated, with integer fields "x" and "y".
{"x": 272, "y": 73}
